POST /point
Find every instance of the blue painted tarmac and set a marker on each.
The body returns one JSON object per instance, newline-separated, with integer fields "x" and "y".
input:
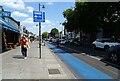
{"x": 79, "y": 67}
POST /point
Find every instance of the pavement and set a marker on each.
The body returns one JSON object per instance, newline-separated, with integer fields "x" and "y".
{"x": 0, "y": 67}
{"x": 14, "y": 66}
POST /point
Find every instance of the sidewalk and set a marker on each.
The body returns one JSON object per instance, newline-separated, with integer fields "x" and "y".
{"x": 14, "y": 66}
{"x": 0, "y": 67}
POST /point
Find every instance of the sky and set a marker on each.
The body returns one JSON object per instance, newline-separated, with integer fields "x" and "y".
{"x": 23, "y": 11}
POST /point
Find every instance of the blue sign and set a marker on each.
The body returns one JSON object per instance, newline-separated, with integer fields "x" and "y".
{"x": 38, "y": 16}
{"x": 6, "y": 14}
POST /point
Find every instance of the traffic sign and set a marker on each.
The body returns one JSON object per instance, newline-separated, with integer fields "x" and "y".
{"x": 38, "y": 16}
{"x": 5, "y": 14}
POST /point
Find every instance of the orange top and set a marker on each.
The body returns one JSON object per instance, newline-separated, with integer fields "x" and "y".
{"x": 23, "y": 41}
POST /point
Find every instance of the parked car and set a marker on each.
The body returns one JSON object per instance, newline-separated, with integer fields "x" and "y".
{"x": 70, "y": 40}
{"x": 54, "y": 40}
{"x": 104, "y": 43}
{"x": 45, "y": 39}
{"x": 114, "y": 54}
{"x": 62, "y": 41}
{"x": 76, "y": 41}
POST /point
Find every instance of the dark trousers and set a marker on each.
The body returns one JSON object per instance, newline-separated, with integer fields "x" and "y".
{"x": 24, "y": 51}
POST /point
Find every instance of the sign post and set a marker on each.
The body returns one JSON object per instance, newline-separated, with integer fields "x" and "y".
{"x": 39, "y": 17}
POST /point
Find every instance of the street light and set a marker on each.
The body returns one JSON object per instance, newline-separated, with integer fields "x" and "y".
{"x": 40, "y": 31}
{"x": 62, "y": 34}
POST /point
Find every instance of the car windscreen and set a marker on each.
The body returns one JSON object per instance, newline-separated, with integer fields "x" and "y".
{"x": 110, "y": 41}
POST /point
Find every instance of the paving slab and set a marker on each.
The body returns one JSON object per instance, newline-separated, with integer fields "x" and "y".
{"x": 14, "y": 66}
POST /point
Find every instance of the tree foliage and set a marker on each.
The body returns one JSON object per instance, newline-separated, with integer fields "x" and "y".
{"x": 90, "y": 16}
{"x": 54, "y": 32}
{"x": 45, "y": 35}
{"x": 69, "y": 15}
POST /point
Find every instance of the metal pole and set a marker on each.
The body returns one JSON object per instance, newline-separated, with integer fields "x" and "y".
{"x": 39, "y": 35}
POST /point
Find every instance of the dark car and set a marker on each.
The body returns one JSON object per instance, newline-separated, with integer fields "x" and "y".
{"x": 75, "y": 41}
{"x": 114, "y": 54}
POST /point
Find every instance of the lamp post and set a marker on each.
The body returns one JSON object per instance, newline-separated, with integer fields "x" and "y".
{"x": 40, "y": 32}
{"x": 62, "y": 33}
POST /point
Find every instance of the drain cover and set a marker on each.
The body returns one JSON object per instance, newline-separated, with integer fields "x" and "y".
{"x": 53, "y": 71}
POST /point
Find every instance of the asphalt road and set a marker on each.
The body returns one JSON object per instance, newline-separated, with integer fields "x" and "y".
{"x": 94, "y": 58}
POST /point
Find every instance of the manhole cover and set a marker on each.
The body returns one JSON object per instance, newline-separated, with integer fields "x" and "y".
{"x": 53, "y": 71}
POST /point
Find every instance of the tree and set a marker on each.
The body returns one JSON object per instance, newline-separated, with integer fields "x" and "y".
{"x": 54, "y": 32}
{"x": 45, "y": 35}
{"x": 90, "y": 16}
{"x": 94, "y": 15}
{"x": 69, "y": 24}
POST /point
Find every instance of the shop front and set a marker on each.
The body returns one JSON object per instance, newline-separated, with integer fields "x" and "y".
{"x": 9, "y": 35}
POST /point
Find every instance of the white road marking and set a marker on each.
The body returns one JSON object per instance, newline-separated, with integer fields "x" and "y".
{"x": 94, "y": 57}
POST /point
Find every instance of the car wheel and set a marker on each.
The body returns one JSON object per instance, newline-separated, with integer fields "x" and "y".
{"x": 93, "y": 46}
{"x": 106, "y": 48}
{"x": 114, "y": 57}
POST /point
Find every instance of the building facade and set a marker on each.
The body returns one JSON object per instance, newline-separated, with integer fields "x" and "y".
{"x": 9, "y": 31}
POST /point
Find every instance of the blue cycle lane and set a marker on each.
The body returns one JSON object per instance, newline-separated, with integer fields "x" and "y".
{"x": 79, "y": 67}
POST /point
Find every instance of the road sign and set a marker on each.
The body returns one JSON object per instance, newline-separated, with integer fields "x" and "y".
{"x": 6, "y": 14}
{"x": 38, "y": 16}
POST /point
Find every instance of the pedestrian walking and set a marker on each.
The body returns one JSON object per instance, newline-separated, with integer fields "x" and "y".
{"x": 24, "y": 46}
{"x": 58, "y": 42}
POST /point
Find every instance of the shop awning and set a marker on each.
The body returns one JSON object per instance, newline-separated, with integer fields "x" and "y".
{"x": 8, "y": 26}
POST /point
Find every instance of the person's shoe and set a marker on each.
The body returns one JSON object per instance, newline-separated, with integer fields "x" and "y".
{"x": 25, "y": 58}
